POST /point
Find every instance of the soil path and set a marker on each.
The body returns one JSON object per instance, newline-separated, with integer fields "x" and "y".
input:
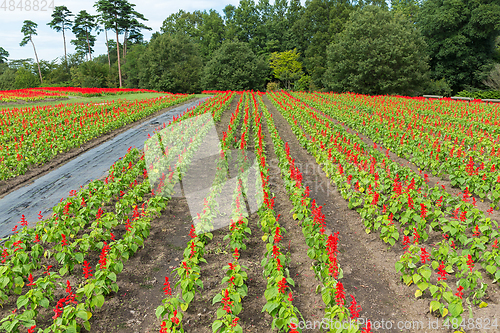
{"x": 44, "y": 192}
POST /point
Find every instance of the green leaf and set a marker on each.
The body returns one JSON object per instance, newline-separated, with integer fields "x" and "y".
{"x": 216, "y": 325}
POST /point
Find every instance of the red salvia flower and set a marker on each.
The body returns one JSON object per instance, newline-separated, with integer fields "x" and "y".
{"x": 236, "y": 253}
{"x": 277, "y": 235}
{"x": 32, "y": 329}
{"x": 406, "y": 242}
{"x": 102, "y": 256}
{"x": 30, "y": 279}
{"x": 226, "y": 301}
{"x": 460, "y": 292}
{"x": 470, "y": 262}
{"x": 354, "y": 309}
{"x": 410, "y": 202}
{"x": 339, "y": 294}
{"x": 166, "y": 288}
{"x": 368, "y": 327}
{"x": 174, "y": 318}
{"x": 477, "y": 232}
{"x": 424, "y": 255}
{"x": 63, "y": 241}
{"x": 442, "y": 271}
{"x": 290, "y": 296}
{"x": 192, "y": 232}
{"x": 423, "y": 211}
{"x": 463, "y": 216}
{"x": 24, "y": 223}
{"x": 416, "y": 236}
{"x": 495, "y": 244}
{"x": 282, "y": 285}
{"x": 87, "y": 269}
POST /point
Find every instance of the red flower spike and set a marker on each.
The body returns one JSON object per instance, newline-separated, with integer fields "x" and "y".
{"x": 354, "y": 309}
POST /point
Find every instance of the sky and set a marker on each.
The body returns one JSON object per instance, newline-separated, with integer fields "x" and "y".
{"x": 49, "y": 43}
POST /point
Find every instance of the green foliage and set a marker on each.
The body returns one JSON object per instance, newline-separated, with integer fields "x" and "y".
{"x": 25, "y": 78}
{"x": 460, "y": 36}
{"x": 303, "y": 84}
{"x": 83, "y": 27}
{"x": 90, "y": 74}
{"x": 3, "y": 55}
{"x": 485, "y": 94}
{"x": 378, "y": 53}
{"x": 170, "y": 63}
{"x": 60, "y": 18}
{"x": 439, "y": 87}
{"x": 28, "y": 29}
{"x": 319, "y": 24}
{"x": 286, "y": 66}
{"x": 235, "y": 67}
{"x": 408, "y": 8}
{"x": 7, "y": 77}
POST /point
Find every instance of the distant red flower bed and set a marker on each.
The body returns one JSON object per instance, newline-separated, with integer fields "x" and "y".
{"x": 93, "y": 91}
{"x": 27, "y": 95}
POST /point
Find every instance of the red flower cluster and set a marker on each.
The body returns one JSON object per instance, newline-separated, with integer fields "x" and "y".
{"x": 355, "y": 309}
{"x": 103, "y": 255}
{"x": 166, "y": 288}
{"x": 339, "y": 294}
{"x": 87, "y": 270}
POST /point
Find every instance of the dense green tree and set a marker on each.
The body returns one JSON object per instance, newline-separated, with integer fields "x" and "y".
{"x": 408, "y": 8}
{"x": 321, "y": 20}
{"x": 246, "y": 20}
{"x": 185, "y": 23}
{"x": 29, "y": 29}
{"x": 61, "y": 19}
{"x": 90, "y": 74}
{"x": 460, "y": 36}
{"x": 234, "y": 66}
{"x": 118, "y": 15}
{"x": 83, "y": 26}
{"x": 286, "y": 66}
{"x": 132, "y": 28}
{"x": 133, "y": 65}
{"x": 295, "y": 36}
{"x": 170, "y": 63}
{"x": 25, "y": 78}
{"x": 3, "y": 55}
{"x": 7, "y": 77}
{"x": 379, "y": 52}
{"x": 212, "y": 33}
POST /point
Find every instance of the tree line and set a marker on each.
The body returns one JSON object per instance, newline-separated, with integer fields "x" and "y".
{"x": 410, "y": 47}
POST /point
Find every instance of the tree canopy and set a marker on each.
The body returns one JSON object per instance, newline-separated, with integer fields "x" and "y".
{"x": 461, "y": 37}
{"x": 234, "y": 66}
{"x": 378, "y": 53}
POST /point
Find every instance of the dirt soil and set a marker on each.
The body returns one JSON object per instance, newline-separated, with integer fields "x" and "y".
{"x": 9, "y": 185}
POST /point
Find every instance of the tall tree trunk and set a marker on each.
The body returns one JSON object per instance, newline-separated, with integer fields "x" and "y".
{"x": 118, "y": 53}
{"x": 88, "y": 44}
{"x": 107, "y": 46}
{"x": 37, "y": 62}
{"x": 64, "y": 40}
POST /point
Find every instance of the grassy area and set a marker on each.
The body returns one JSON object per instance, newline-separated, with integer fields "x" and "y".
{"x": 95, "y": 99}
